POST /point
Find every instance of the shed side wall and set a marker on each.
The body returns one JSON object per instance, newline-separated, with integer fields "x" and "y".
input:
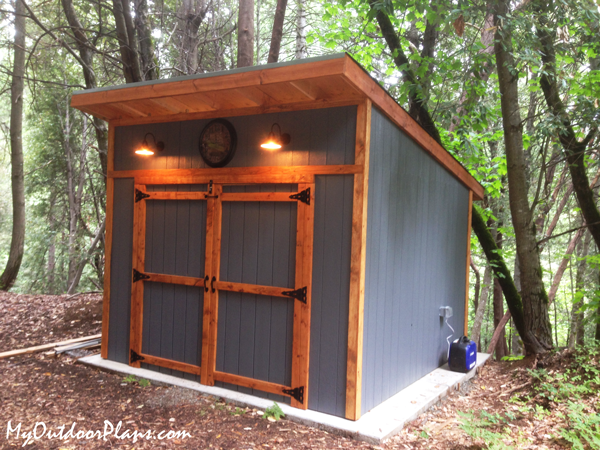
{"x": 415, "y": 263}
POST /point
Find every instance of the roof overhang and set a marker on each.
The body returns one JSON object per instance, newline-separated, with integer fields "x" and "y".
{"x": 321, "y": 82}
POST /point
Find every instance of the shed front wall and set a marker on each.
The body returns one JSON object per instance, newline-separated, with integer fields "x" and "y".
{"x": 319, "y": 137}
{"x": 415, "y": 262}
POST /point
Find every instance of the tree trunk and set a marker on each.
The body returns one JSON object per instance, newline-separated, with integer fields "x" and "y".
{"x": 469, "y": 97}
{"x": 86, "y": 54}
{"x": 17, "y": 242}
{"x": 563, "y": 264}
{"x": 417, "y": 99}
{"x": 574, "y": 149}
{"x": 127, "y": 41}
{"x": 501, "y": 349}
{"x": 277, "y": 31}
{"x": 477, "y": 285}
{"x": 191, "y": 15}
{"x": 533, "y": 294}
{"x": 578, "y": 332}
{"x": 301, "y": 52}
{"x": 480, "y": 312}
{"x": 512, "y": 296}
{"x": 142, "y": 28}
{"x": 81, "y": 265}
{"x": 245, "y": 56}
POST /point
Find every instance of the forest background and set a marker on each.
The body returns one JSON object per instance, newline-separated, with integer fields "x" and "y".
{"x": 511, "y": 89}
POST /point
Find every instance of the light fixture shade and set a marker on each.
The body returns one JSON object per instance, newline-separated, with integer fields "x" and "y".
{"x": 276, "y": 141}
{"x": 272, "y": 143}
{"x": 147, "y": 149}
{"x": 144, "y": 152}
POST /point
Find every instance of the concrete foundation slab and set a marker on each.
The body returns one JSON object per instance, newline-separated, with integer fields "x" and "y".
{"x": 376, "y": 426}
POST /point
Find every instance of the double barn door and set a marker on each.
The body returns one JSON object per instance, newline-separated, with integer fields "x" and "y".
{"x": 221, "y": 284}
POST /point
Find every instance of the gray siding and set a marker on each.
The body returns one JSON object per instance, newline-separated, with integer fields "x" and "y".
{"x": 323, "y": 136}
{"x": 255, "y": 332}
{"x": 331, "y": 285}
{"x": 175, "y": 245}
{"x": 416, "y": 257}
{"x": 257, "y": 247}
{"x": 120, "y": 272}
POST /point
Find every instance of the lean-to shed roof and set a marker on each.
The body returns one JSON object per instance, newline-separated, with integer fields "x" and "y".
{"x": 320, "y": 82}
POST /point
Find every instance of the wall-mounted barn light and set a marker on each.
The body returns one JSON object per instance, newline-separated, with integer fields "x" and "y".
{"x": 276, "y": 141}
{"x": 147, "y": 149}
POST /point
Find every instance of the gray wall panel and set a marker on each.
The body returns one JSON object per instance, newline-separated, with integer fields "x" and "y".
{"x": 120, "y": 272}
{"x": 416, "y": 256}
{"x": 331, "y": 284}
{"x": 323, "y": 136}
{"x": 255, "y": 332}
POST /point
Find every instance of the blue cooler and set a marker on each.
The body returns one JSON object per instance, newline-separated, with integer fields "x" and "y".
{"x": 463, "y": 355}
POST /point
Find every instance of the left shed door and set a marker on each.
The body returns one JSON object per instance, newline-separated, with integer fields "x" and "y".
{"x": 168, "y": 286}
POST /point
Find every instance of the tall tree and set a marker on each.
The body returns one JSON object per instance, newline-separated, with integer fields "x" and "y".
{"x": 149, "y": 70}
{"x": 245, "y": 55}
{"x": 86, "y": 54}
{"x": 533, "y": 293}
{"x": 191, "y": 14}
{"x": 574, "y": 148}
{"x": 301, "y": 52}
{"x": 486, "y": 240}
{"x": 17, "y": 243}
{"x": 277, "y": 31}
{"x": 127, "y": 41}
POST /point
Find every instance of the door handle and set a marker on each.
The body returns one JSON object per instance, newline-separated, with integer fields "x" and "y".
{"x": 205, "y": 286}
{"x": 212, "y": 287}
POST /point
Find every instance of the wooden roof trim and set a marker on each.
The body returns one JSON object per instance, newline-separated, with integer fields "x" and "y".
{"x": 207, "y": 96}
{"x": 406, "y": 123}
{"x": 265, "y": 76}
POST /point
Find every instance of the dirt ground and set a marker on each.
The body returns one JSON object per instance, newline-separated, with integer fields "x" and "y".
{"x": 58, "y": 392}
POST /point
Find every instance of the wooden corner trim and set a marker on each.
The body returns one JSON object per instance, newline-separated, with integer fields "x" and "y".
{"x": 357, "y": 264}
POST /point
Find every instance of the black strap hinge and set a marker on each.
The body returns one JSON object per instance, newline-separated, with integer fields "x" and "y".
{"x": 137, "y": 276}
{"x": 296, "y": 393}
{"x": 139, "y": 195}
{"x": 134, "y": 357}
{"x": 303, "y": 196}
{"x": 298, "y": 294}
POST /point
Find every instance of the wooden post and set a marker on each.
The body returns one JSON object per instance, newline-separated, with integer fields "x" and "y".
{"x": 466, "y": 327}
{"x": 357, "y": 263}
{"x": 137, "y": 289}
{"x": 212, "y": 268}
{"x": 110, "y": 189}
{"x": 301, "y": 330}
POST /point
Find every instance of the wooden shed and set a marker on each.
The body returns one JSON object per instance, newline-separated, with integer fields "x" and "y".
{"x": 312, "y": 274}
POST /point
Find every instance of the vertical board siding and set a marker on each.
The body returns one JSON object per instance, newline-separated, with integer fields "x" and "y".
{"x": 330, "y": 293}
{"x": 175, "y": 245}
{"x": 323, "y": 136}
{"x": 255, "y": 332}
{"x": 257, "y": 247}
{"x": 121, "y": 272}
{"x": 416, "y": 253}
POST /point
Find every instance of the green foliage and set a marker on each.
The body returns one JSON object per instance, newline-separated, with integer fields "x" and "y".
{"x": 584, "y": 427}
{"x": 132, "y": 379}
{"x": 273, "y": 411}
{"x": 492, "y": 429}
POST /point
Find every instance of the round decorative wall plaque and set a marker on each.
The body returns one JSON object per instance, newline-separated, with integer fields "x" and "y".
{"x": 218, "y": 141}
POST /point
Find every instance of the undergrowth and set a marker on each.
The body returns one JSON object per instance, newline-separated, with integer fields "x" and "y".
{"x": 567, "y": 393}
